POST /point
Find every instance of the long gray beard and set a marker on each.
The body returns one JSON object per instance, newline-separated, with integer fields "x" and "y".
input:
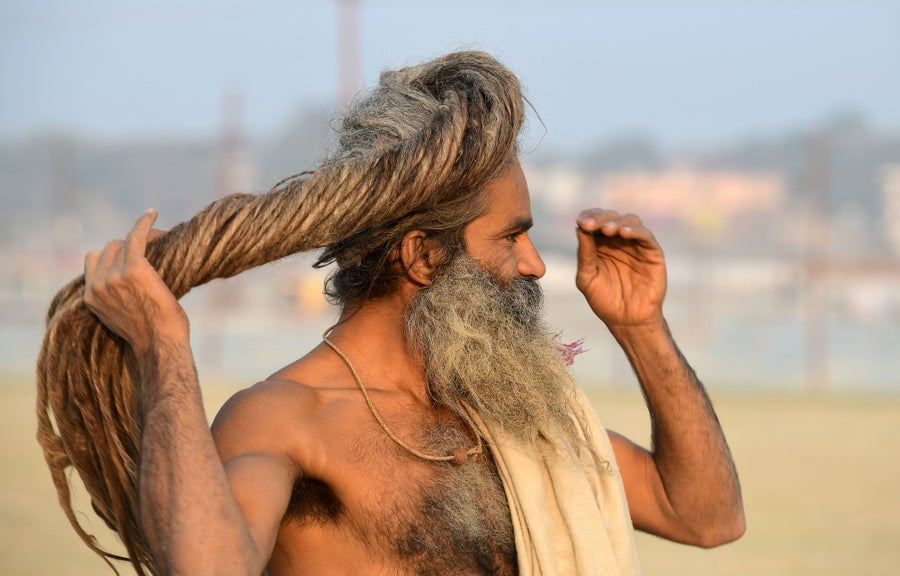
{"x": 485, "y": 344}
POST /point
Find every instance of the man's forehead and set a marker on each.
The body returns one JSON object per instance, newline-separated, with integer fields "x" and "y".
{"x": 507, "y": 195}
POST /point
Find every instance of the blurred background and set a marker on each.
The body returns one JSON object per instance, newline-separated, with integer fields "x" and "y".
{"x": 759, "y": 139}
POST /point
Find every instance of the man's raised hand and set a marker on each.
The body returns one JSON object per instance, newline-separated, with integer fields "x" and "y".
{"x": 126, "y": 293}
{"x": 621, "y": 269}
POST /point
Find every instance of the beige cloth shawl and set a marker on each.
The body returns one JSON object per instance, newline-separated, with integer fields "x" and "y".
{"x": 569, "y": 513}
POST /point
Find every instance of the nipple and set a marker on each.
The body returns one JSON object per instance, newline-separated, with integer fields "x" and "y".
{"x": 460, "y": 455}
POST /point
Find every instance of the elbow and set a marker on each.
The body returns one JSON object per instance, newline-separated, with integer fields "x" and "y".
{"x": 721, "y": 532}
{"x": 707, "y": 531}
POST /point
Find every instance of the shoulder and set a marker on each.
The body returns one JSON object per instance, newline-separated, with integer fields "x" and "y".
{"x": 254, "y": 419}
{"x": 294, "y": 393}
{"x": 270, "y": 398}
{"x": 296, "y": 412}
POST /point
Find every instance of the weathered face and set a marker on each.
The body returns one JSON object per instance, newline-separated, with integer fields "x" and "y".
{"x": 498, "y": 239}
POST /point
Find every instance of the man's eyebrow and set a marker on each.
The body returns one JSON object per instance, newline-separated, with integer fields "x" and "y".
{"x": 523, "y": 224}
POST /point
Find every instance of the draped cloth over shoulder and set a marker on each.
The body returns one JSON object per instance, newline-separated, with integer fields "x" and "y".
{"x": 569, "y": 511}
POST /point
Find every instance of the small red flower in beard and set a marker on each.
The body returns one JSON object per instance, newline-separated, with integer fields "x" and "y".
{"x": 569, "y": 351}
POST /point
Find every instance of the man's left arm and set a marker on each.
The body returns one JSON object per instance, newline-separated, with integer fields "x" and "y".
{"x": 687, "y": 488}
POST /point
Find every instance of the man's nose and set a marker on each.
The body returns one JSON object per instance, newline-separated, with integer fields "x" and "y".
{"x": 530, "y": 263}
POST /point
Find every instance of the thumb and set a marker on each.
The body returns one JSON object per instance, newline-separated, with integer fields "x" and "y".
{"x": 587, "y": 246}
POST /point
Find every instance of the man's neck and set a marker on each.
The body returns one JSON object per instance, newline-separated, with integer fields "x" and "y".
{"x": 373, "y": 336}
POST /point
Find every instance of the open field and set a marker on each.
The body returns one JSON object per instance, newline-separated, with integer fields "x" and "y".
{"x": 821, "y": 481}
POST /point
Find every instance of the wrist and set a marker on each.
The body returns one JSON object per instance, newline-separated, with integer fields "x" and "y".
{"x": 654, "y": 326}
{"x": 165, "y": 363}
{"x": 162, "y": 337}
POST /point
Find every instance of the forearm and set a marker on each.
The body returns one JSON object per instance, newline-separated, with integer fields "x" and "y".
{"x": 697, "y": 477}
{"x": 188, "y": 511}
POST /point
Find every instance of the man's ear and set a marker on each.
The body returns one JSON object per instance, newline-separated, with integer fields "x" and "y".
{"x": 419, "y": 256}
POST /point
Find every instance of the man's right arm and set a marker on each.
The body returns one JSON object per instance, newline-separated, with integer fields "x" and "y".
{"x": 191, "y": 516}
{"x": 200, "y": 516}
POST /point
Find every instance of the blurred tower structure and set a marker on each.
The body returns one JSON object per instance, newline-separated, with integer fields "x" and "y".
{"x": 349, "y": 52}
{"x": 231, "y": 166}
{"x": 230, "y": 177}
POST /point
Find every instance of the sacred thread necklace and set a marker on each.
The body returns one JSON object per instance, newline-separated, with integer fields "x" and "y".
{"x": 457, "y": 457}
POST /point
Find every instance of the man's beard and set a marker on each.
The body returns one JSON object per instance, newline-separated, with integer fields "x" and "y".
{"x": 486, "y": 345}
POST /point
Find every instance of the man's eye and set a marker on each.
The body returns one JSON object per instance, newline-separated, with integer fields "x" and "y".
{"x": 514, "y": 237}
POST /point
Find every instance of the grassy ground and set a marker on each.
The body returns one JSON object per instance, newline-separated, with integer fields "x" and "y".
{"x": 821, "y": 481}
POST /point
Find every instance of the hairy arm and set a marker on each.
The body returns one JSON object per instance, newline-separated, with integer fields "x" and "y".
{"x": 190, "y": 515}
{"x": 685, "y": 489}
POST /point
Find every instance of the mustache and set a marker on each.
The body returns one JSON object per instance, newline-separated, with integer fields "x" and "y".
{"x": 520, "y": 299}
{"x": 525, "y": 301}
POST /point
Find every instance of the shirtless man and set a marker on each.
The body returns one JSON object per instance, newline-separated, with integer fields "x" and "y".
{"x": 360, "y": 457}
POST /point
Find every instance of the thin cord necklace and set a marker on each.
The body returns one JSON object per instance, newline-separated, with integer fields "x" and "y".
{"x": 457, "y": 457}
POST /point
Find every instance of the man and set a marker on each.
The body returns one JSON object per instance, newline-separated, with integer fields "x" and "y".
{"x": 398, "y": 444}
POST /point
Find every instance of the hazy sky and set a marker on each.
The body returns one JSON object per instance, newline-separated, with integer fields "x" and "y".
{"x": 686, "y": 72}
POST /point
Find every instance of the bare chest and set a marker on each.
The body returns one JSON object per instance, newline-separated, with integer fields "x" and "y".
{"x": 401, "y": 515}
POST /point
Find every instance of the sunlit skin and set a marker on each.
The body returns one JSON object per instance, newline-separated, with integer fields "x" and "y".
{"x": 499, "y": 239}
{"x": 215, "y": 502}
